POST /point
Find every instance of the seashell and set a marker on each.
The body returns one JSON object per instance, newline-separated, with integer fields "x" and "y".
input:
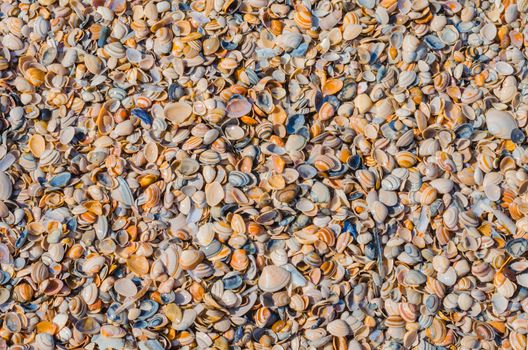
{"x": 273, "y": 278}
{"x": 93, "y": 64}
{"x": 406, "y": 79}
{"x": 214, "y": 193}
{"x": 366, "y": 178}
{"x": 238, "y": 106}
{"x": 44, "y": 341}
{"x": 332, "y": 86}
{"x": 115, "y": 50}
{"x": 279, "y": 257}
{"x": 138, "y": 264}
{"x": 338, "y": 328}
{"x": 111, "y": 331}
{"x": 60, "y": 180}
{"x": 189, "y": 259}
{"x": 488, "y": 31}
{"x": 414, "y": 278}
{"x": 405, "y": 159}
{"x": 6, "y": 186}
{"x": 379, "y": 212}
{"x": 449, "y": 35}
{"x": 352, "y": 31}
{"x": 363, "y": 103}
{"x": 125, "y": 287}
{"x": 289, "y": 40}
{"x": 177, "y": 112}
{"x": 188, "y": 167}
{"x": 263, "y": 175}
{"x": 517, "y": 247}
{"x": 391, "y": 183}
{"x": 87, "y": 325}
{"x": 500, "y": 124}
{"x": 93, "y": 264}
{"x": 442, "y": 185}
{"x": 37, "y": 145}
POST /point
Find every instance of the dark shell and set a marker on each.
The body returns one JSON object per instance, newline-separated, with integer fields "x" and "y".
{"x": 464, "y": 131}
{"x": 60, "y": 180}
{"x": 348, "y": 92}
{"x": 518, "y": 136}
{"x": 103, "y": 35}
{"x": 144, "y": 116}
{"x": 232, "y": 282}
{"x": 517, "y": 247}
{"x": 176, "y": 92}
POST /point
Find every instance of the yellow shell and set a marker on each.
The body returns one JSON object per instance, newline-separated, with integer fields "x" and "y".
{"x": 37, "y": 145}
{"x": 35, "y": 76}
{"x": 138, "y": 265}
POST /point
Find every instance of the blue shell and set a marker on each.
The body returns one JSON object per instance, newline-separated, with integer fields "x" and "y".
{"x": 294, "y": 123}
{"x": 464, "y": 131}
{"x": 142, "y": 115}
{"x": 112, "y": 316}
{"x": 342, "y": 169}
{"x": 518, "y": 136}
{"x": 140, "y": 324}
{"x": 71, "y": 224}
{"x": 334, "y": 101}
{"x": 300, "y": 50}
{"x": 103, "y": 35}
{"x": 21, "y": 239}
{"x": 4, "y": 277}
{"x": 155, "y": 321}
{"x": 517, "y": 247}
{"x": 306, "y": 171}
{"x": 286, "y": 221}
{"x": 371, "y": 251}
{"x": 228, "y": 45}
{"x": 60, "y": 180}
{"x": 176, "y": 91}
{"x": 354, "y": 162}
{"x": 184, "y": 7}
{"x": 348, "y": 226}
{"x": 168, "y": 298}
{"x": 30, "y": 307}
{"x": 232, "y": 282}
{"x": 148, "y": 308}
{"x": 434, "y": 42}
{"x": 380, "y": 74}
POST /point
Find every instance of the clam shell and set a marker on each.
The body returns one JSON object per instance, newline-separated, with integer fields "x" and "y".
{"x": 178, "y": 112}
{"x": 6, "y": 186}
{"x": 125, "y": 287}
{"x": 238, "y": 107}
{"x": 273, "y": 278}
{"x": 500, "y": 123}
{"x": 338, "y": 328}
{"x": 189, "y": 259}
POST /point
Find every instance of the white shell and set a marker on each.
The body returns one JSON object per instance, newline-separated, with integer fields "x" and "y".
{"x": 500, "y": 123}
{"x": 273, "y": 278}
{"x": 6, "y": 187}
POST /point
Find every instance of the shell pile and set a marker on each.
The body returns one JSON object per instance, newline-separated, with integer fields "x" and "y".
{"x": 263, "y": 174}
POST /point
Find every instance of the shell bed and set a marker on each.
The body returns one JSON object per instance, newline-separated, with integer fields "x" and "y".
{"x": 263, "y": 174}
